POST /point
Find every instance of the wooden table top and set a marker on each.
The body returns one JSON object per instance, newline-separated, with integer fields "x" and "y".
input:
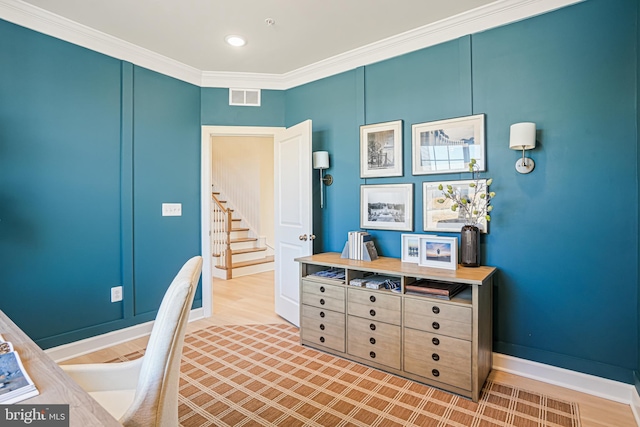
{"x": 55, "y": 386}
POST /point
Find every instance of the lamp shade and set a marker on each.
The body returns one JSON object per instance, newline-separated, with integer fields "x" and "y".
{"x": 523, "y": 136}
{"x": 321, "y": 160}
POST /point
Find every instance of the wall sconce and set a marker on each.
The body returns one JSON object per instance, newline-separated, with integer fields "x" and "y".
{"x": 321, "y": 161}
{"x": 523, "y": 137}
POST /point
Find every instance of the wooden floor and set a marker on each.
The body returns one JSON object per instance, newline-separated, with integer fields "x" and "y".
{"x": 250, "y": 300}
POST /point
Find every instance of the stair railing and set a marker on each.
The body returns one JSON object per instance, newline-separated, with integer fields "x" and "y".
{"x": 221, "y": 234}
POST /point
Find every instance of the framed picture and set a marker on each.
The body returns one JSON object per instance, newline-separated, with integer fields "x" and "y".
{"x": 381, "y": 149}
{"x": 411, "y": 248}
{"x": 447, "y": 146}
{"x": 386, "y": 207}
{"x": 439, "y": 252}
{"x": 439, "y": 216}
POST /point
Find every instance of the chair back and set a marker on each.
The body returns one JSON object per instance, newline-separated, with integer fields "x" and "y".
{"x": 156, "y": 397}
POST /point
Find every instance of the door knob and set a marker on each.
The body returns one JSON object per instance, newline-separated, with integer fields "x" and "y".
{"x": 312, "y": 237}
{"x": 302, "y": 237}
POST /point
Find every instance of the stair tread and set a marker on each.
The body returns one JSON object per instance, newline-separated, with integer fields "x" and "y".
{"x": 247, "y": 251}
{"x": 239, "y": 229}
{"x": 253, "y": 262}
{"x": 243, "y": 239}
{"x": 248, "y": 263}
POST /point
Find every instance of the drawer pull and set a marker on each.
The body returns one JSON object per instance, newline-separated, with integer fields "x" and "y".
{"x": 372, "y": 298}
{"x": 372, "y": 354}
{"x": 435, "y": 309}
{"x": 435, "y": 373}
{"x": 435, "y": 341}
{"x": 372, "y": 340}
{"x": 321, "y": 339}
{"x": 321, "y": 301}
{"x": 372, "y": 313}
{"x": 435, "y": 356}
{"x": 321, "y": 288}
{"x": 322, "y": 314}
{"x": 435, "y": 325}
{"x": 321, "y": 327}
{"x": 372, "y": 327}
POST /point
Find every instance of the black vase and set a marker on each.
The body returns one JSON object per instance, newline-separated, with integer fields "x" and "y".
{"x": 470, "y": 246}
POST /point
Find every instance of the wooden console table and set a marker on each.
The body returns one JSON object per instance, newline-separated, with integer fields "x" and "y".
{"x": 443, "y": 343}
{"x": 55, "y": 386}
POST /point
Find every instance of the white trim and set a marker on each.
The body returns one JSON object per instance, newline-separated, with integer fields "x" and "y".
{"x": 498, "y": 13}
{"x": 48, "y": 23}
{"x": 573, "y": 380}
{"x": 635, "y": 407}
{"x": 110, "y": 339}
{"x": 205, "y": 198}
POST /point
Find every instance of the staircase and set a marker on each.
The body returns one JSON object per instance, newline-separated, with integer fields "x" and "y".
{"x": 235, "y": 251}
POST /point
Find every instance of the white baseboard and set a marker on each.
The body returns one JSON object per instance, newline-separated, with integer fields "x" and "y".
{"x": 99, "y": 342}
{"x": 590, "y": 384}
{"x": 635, "y": 407}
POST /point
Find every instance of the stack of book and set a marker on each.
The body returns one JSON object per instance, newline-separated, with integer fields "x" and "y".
{"x": 377, "y": 282}
{"x": 332, "y": 273}
{"x": 435, "y": 289}
{"x": 360, "y": 246}
{"x": 15, "y": 384}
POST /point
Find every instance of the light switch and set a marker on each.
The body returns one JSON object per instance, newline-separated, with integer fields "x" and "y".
{"x": 172, "y": 209}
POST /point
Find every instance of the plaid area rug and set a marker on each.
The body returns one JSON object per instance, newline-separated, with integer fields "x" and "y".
{"x": 260, "y": 375}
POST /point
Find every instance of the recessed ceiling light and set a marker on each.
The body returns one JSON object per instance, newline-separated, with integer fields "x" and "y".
{"x": 235, "y": 40}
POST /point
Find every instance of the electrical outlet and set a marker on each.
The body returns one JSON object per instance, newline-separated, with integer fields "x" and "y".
{"x": 116, "y": 294}
{"x": 172, "y": 209}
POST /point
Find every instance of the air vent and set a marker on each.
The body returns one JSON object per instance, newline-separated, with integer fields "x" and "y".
{"x": 246, "y": 97}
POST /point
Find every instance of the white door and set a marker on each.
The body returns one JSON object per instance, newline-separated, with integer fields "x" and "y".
{"x": 293, "y": 215}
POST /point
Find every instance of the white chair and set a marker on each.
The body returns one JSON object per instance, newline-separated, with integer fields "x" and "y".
{"x": 144, "y": 392}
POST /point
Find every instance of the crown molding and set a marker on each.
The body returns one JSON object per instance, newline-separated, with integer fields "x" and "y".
{"x": 42, "y": 21}
{"x": 498, "y": 13}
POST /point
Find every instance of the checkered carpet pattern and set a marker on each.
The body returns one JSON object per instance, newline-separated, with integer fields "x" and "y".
{"x": 260, "y": 375}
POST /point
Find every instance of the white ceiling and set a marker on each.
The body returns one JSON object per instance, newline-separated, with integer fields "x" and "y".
{"x": 305, "y": 31}
{"x": 189, "y": 34}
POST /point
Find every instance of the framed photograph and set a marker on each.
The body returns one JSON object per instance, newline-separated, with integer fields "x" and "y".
{"x": 411, "y": 248}
{"x": 438, "y": 216}
{"x": 439, "y": 252}
{"x": 386, "y": 207}
{"x": 447, "y": 146}
{"x": 381, "y": 149}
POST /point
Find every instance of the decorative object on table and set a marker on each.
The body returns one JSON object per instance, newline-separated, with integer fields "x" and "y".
{"x": 522, "y": 136}
{"x": 442, "y": 146}
{"x": 439, "y": 252}
{"x": 411, "y": 248}
{"x": 386, "y": 207}
{"x": 381, "y": 149}
{"x": 439, "y": 217}
{"x": 321, "y": 162}
{"x": 360, "y": 247}
{"x": 473, "y": 210}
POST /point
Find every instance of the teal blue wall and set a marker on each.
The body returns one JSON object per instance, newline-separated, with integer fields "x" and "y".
{"x": 91, "y": 146}
{"x": 216, "y": 111}
{"x": 565, "y": 238}
{"x": 89, "y": 149}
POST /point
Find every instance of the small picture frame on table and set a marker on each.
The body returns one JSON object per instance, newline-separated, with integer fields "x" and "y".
{"x": 439, "y": 252}
{"x": 411, "y": 248}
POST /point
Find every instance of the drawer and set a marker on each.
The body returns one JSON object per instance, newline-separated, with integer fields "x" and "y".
{"x": 374, "y": 341}
{"x": 438, "y": 358}
{"x": 327, "y": 331}
{"x": 372, "y": 305}
{"x": 441, "y": 318}
{"x": 326, "y": 321}
{"x": 321, "y": 295}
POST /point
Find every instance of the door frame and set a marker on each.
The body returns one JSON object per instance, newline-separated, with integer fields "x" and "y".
{"x": 205, "y": 198}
